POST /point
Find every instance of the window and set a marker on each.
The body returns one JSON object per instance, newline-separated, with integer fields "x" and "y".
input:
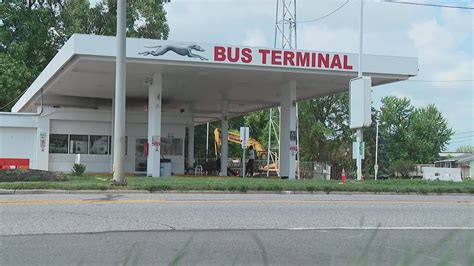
{"x": 78, "y": 144}
{"x": 171, "y": 146}
{"x": 99, "y": 145}
{"x": 58, "y": 143}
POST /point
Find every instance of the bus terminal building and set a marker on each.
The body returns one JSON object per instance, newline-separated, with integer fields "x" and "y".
{"x": 171, "y": 87}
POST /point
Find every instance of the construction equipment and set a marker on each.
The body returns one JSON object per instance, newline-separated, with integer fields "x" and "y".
{"x": 258, "y": 147}
{"x": 235, "y": 138}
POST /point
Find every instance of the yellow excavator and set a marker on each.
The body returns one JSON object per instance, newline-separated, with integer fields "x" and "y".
{"x": 235, "y": 138}
{"x": 258, "y": 147}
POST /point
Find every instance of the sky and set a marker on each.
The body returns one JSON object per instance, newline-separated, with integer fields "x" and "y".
{"x": 441, "y": 38}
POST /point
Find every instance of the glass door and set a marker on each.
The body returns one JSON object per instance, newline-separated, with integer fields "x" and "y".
{"x": 140, "y": 158}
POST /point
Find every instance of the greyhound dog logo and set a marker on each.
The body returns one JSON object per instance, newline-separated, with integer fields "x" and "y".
{"x": 181, "y": 50}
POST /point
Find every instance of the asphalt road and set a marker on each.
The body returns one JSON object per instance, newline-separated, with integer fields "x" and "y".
{"x": 241, "y": 229}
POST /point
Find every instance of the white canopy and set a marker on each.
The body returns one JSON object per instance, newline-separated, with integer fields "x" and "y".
{"x": 250, "y": 78}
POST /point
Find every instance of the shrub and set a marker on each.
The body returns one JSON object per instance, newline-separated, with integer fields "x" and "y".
{"x": 20, "y": 175}
{"x": 402, "y": 167}
{"x": 78, "y": 169}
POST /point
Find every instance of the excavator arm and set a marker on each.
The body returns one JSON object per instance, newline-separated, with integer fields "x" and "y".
{"x": 258, "y": 147}
{"x": 235, "y": 138}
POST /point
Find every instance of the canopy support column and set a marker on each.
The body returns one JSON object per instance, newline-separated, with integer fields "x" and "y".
{"x": 288, "y": 130}
{"x": 191, "y": 140}
{"x": 42, "y": 150}
{"x": 154, "y": 126}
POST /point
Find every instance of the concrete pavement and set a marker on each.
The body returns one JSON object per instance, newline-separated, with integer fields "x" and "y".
{"x": 241, "y": 247}
{"x": 39, "y": 214}
{"x": 242, "y": 228}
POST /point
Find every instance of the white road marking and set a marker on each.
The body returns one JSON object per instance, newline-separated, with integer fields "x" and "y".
{"x": 383, "y": 228}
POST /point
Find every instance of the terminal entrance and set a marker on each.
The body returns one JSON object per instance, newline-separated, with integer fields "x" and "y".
{"x": 140, "y": 157}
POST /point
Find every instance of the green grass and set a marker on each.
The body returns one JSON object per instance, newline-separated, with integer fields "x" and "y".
{"x": 248, "y": 184}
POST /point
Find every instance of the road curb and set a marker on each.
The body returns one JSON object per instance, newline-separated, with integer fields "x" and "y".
{"x": 7, "y": 191}
{"x": 128, "y": 191}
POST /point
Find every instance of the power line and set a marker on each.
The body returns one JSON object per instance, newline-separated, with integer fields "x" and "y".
{"x": 12, "y": 101}
{"x": 454, "y": 80}
{"x": 463, "y": 137}
{"x": 325, "y": 16}
{"x": 431, "y": 5}
{"x": 463, "y": 133}
{"x": 460, "y": 141}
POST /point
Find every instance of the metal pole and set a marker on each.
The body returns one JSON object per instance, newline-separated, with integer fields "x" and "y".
{"x": 120, "y": 81}
{"x": 361, "y": 37}
{"x": 376, "y": 166}
{"x": 297, "y": 115}
{"x": 360, "y": 131}
{"x": 207, "y": 141}
{"x": 270, "y": 124}
{"x": 283, "y": 46}
{"x": 243, "y": 162}
{"x": 298, "y": 159}
{"x": 276, "y": 25}
{"x": 269, "y": 142}
{"x": 296, "y": 36}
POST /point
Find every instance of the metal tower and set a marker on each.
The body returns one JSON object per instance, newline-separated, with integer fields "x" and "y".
{"x": 285, "y": 25}
{"x": 285, "y": 38}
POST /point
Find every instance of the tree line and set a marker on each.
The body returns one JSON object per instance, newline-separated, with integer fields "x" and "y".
{"x": 31, "y": 34}
{"x": 408, "y": 135}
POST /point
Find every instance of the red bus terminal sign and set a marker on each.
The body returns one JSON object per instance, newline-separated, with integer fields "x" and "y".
{"x": 242, "y": 55}
{"x": 301, "y": 59}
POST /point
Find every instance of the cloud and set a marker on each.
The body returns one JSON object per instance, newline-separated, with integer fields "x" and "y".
{"x": 324, "y": 38}
{"x": 255, "y": 37}
{"x": 223, "y": 21}
{"x": 439, "y": 43}
{"x": 460, "y": 71}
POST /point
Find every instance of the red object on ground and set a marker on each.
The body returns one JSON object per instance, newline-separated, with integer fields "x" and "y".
{"x": 343, "y": 176}
{"x": 14, "y": 163}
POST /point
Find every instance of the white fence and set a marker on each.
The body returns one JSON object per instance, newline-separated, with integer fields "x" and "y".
{"x": 444, "y": 174}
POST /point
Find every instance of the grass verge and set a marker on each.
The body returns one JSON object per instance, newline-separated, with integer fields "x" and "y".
{"x": 248, "y": 184}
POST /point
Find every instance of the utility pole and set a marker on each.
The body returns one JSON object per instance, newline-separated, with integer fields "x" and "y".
{"x": 119, "y": 110}
{"x": 360, "y": 131}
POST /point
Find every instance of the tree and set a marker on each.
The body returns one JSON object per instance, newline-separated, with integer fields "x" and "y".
{"x": 402, "y": 168}
{"x": 412, "y": 134}
{"x": 325, "y": 135}
{"x": 30, "y": 35}
{"x": 394, "y": 122}
{"x": 258, "y": 125}
{"x": 15, "y": 76}
{"x": 145, "y": 18}
{"x": 27, "y": 43}
{"x": 428, "y": 134}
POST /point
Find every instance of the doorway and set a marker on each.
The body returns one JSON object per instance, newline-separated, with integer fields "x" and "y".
{"x": 140, "y": 158}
